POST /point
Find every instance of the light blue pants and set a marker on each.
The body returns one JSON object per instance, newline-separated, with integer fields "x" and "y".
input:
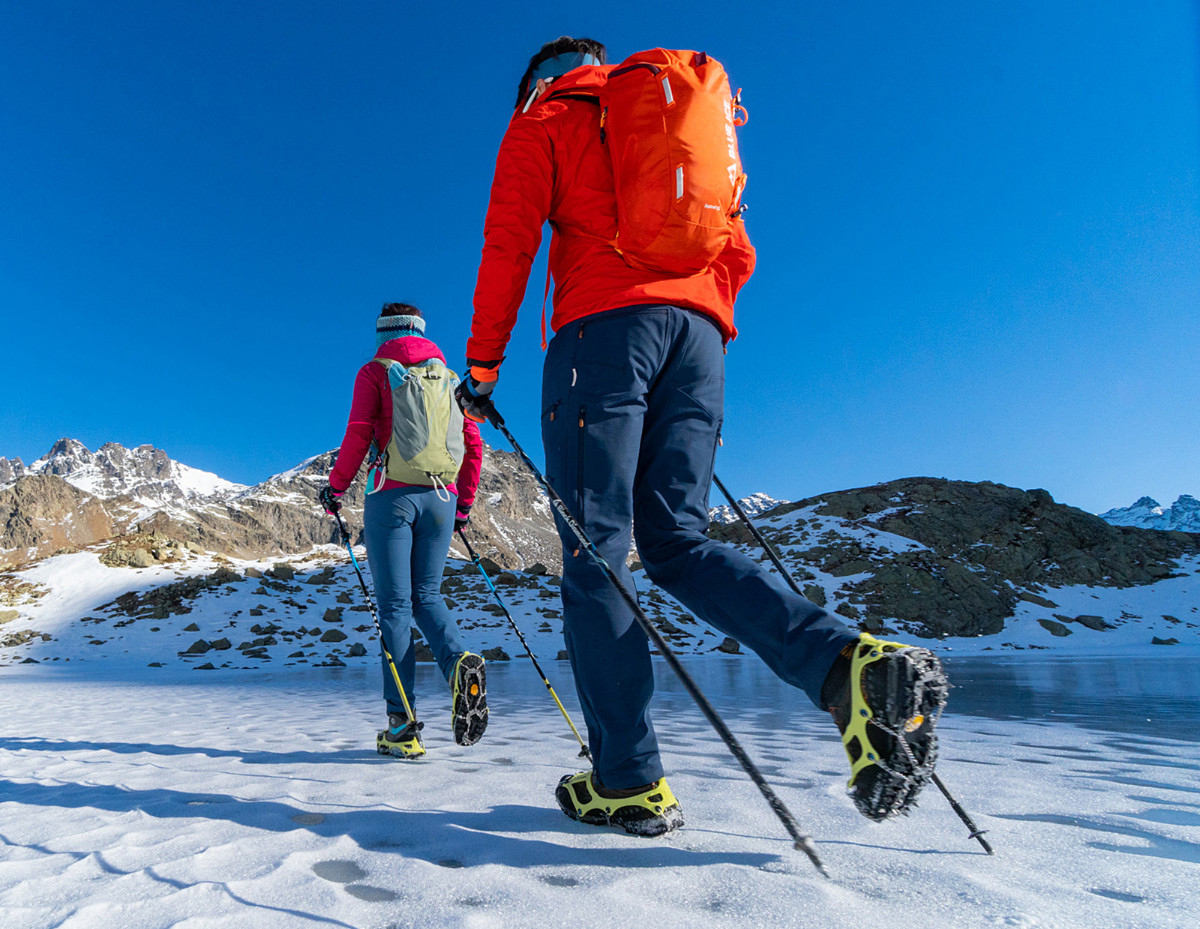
{"x": 408, "y": 531}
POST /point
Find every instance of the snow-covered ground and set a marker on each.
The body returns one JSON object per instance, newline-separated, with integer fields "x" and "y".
{"x": 319, "y": 616}
{"x": 138, "y": 791}
{"x": 228, "y": 800}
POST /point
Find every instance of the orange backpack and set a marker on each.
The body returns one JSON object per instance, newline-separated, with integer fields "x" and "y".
{"x": 668, "y": 119}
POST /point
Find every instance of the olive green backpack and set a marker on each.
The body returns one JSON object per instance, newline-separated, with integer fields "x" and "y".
{"x": 426, "y": 447}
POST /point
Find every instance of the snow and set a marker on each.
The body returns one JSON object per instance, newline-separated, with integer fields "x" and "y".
{"x": 129, "y": 801}
{"x": 103, "y": 474}
{"x": 137, "y": 796}
{"x": 1148, "y": 513}
{"x": 752, "y": 506}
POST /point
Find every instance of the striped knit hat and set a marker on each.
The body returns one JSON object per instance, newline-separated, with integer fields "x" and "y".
{"x": 395, "y": 327}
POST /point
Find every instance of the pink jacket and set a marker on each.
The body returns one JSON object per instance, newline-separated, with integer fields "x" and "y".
{"x": 371, "y": 418}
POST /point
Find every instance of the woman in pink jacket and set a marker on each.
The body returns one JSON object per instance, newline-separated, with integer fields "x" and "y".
{"x": 408, "y": 528}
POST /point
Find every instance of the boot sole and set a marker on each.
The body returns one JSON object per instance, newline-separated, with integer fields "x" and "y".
{"x": 906, "y": 693}
{"x": 469, "y": 717}
{"x": 635, "y": 820}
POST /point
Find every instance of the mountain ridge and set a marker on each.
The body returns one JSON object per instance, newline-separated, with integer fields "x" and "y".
{"x": 1148, "y": 513}
{"x": 923, "y": 556}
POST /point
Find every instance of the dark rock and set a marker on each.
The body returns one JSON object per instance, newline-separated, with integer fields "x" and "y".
{"x": 207, "y": 666}
{"x": 1036, "y": 600}
{"x": 562, "y": 655}
{"x": 296, "y": 655}
{"x": 1054, "y": 628}
{"x": 729, "y": 646}
{"x": 224, "y": 575}
{"x": 1157, "y": 641}
{"x": 334, "y": 635}
{"x": 344, "y": 597}
{"x": 421, "y": 651}
{"x": 323, "y": 577}
{"x": 254, "y": 573}
{"x": 537, "y": 569}
{"x": 495, "y": 654}
{"x": 333, "y": 615}
{"x": 282, "y": 571}
{"x": 816, "y": 594}
{"x": 357, "y": 650}
{"x": 199, "y": 647}
{"x": 221, "y": 644}
{"x": 191, "y": 627}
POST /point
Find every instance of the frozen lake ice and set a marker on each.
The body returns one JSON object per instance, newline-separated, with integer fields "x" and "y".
{"x": 183, "y": 802}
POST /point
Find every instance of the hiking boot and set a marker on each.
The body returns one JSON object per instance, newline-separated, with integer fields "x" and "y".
{"x": 469, "y": 709}
{"x": 401, "y": 739}
{"x": 886, "y": 699}
{"x": 646, "y": 811}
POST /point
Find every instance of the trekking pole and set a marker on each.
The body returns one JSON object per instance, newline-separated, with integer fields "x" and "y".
{"x": 412, "y": 717}
{"x": 800, "y": 840}
{"x": 976, "y": 832}
{"x": 583, "y": 749}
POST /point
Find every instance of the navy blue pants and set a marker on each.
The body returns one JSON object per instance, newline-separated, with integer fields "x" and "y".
{"x": 408, "y": 532}
{"x": 632, "y": 404}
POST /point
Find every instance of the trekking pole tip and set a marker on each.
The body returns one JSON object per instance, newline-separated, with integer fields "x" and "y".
{"x": 805, "y": 844}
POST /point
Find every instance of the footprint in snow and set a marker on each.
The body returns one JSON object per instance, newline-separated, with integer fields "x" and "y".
{"x": 339, "y": 872}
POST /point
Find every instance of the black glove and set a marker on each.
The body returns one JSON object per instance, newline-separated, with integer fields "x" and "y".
{"x": 474, "y": 396}
{"x": 329, "y": 498}
{"x": 462, "y": 516}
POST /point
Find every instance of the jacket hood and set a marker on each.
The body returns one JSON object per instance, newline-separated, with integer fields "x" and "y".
{"x": 410, "y": 350}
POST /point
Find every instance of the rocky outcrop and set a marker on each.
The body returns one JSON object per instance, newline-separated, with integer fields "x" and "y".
{"x": 41, "y": 514}
{"x": 10, "y": 470}
{"x": 151, "y": 505}
{"x": 511, "y": 521}
{"x": 977, "y": 549}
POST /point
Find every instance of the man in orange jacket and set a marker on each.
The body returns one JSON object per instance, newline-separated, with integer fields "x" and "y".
{"x": 632, "y": 407}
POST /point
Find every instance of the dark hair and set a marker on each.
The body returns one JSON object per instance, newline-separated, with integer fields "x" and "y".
{"x": 561, "y": 45}
{"x": 400, "y": 309}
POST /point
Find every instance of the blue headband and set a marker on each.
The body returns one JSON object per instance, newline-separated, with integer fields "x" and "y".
{"x": 396, "y": 327}
{"x": 561, "y": 64}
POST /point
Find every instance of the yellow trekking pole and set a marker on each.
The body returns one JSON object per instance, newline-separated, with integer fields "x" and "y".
{"x": 583, "y": 749}
{"x": 412, "y": 717}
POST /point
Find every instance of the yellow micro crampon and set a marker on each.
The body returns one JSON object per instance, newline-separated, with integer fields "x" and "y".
{"x": 867, "y": 651}
{"x": 657, "y": 799}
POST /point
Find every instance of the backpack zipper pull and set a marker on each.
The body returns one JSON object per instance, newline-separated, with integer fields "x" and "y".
{"x": 603, "y": 120}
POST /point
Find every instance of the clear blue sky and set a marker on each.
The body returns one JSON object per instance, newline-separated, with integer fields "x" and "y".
{"x": 978, "y": 227}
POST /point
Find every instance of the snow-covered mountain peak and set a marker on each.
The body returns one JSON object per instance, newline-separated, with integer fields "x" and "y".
{"x": 145, "y": 473}
{"x": 1147, "y": 513}
{"x": 752, "y": 505}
